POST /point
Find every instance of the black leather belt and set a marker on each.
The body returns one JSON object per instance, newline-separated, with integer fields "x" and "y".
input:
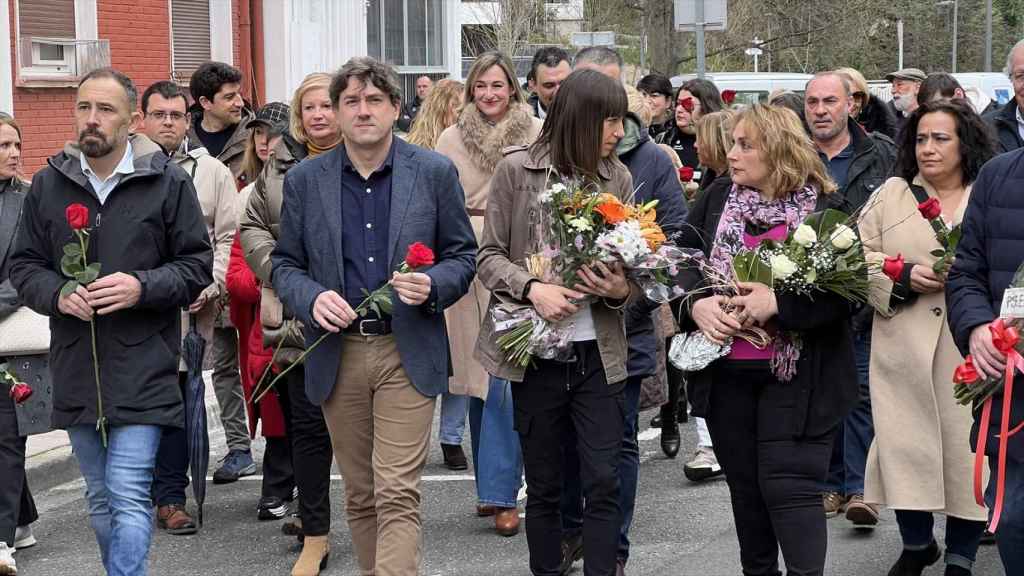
{"x": 373, "y": 327}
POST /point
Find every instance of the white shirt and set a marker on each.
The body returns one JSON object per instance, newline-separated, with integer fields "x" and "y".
{"x": 583, "y": 324}
{"x": 104, "y": 187}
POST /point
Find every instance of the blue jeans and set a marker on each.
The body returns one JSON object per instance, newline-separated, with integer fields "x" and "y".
{"x": 497, "y": 457}
{"x": 1010, "y": 532}
{"x": 117, "y": 480}
{"x": 850, "y": 451}
{"x": 962, "y": 536}
{"x": 629, "y": 474}
{"x": 453, "y": 417}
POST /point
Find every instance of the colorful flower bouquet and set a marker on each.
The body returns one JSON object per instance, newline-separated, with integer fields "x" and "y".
{"x": 578, "y": 226}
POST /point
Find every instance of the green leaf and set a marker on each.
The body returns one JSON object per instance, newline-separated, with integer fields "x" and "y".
{"x": 954, "y": 237}
{"x": 826, "y": 220}
{"x": 938, "y": 252}
{"x": 72, "y": 249}
{"x": 750, "y": 268}
{"x": 68, "y": 288}
{"x": 71, "y": 265}
{"x": 89, "y": 275}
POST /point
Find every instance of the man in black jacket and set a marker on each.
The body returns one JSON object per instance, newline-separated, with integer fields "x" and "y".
{"x": 1008, "y": 121}
{"x": 146, "y": 231}
{"x": 859, "y": 163}
{"x": 549, "y": 68}
{"x": 987, "y": 258}
{"x": 412, "y": 107}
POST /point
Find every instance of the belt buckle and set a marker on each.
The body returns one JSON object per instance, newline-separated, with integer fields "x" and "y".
{"x": 362, "y": 330}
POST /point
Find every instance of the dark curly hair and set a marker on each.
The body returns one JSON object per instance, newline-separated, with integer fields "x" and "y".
{"x": 977, "y": 144}
{"x": 208, "y": 78}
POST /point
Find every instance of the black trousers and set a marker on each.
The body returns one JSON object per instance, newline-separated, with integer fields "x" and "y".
{"x": 170, "y": 475}
{"x": 278, "y": 479}
{"x": 312, "y": 453}
{"x": 555, "y": 403}
{"x": 774, "y": 478}
{"x": 17, "y": 508}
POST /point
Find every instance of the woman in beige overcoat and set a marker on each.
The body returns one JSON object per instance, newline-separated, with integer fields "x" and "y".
{"x": 495, "y": 116}
{"x": 920, "y": 461}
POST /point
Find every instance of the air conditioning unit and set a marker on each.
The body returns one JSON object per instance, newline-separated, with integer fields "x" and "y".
{"x": 60, "y": 59}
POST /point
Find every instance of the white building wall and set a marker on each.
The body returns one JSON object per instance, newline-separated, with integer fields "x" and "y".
{"x": 305, "y": 36}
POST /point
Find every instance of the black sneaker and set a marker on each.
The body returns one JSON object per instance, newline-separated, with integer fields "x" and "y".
{"x": 454, "y": 457}
{"x": 572, "y": 551}
{"x": 271, "y": 508}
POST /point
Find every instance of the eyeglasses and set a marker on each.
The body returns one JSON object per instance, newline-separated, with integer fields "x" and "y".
{"x": 859, "y": 94}
{"x": 161, "y": 116}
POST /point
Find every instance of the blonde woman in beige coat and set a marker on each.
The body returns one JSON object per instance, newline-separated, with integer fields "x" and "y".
{"x": 495, "y": 116}
{"x": 920, "y": 461}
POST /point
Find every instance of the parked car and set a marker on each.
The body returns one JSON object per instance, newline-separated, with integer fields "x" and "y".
{"x": 751, "y": 87}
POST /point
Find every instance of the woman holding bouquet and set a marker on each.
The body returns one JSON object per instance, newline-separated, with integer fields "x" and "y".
{"x": 581, "y": 398}
{"x": 495, "y": 116}
{"x": 920, "y": 461}
{"x": 772, "y": 412}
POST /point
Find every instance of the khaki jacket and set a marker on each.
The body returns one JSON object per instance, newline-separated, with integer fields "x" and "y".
{"x": 512, "y": 208}
{"x": 259, "y": 228}
{"x": 921, "y": 456}
{"x": 217, "y": 198}
{"x": 475, "y": 147}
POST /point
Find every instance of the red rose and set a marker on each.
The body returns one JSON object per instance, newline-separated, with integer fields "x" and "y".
{"x": 686, "y": 174}
{"x": 728, "y": 96}
{"x": 687, "y": 104}
{"x": 966, "y": 373}
{"x": 78, "y": 216}
{"x": 893, "y": 267}
{"x": 419, "y": 255}
{"x": 20, "y": 392}
{"x": 930, "y": 209}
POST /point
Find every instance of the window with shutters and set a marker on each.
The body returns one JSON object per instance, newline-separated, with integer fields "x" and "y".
{"x": 48, "y": 47}
{"x": 190, "y": 37}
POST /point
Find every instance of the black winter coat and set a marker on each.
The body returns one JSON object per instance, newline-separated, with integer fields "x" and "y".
{"x": 825, "y": 387}
{"x": 654, "y": 178}
{"x": 1003, "y": 121}
{"x": 878, "y": 116}
{"x": 987, "y": 257}
{"x": 874, "y": 158}
{"x": 151, "y": 226}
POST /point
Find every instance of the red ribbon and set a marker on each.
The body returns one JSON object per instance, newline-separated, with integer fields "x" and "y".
{"x": 1005, "y": 339}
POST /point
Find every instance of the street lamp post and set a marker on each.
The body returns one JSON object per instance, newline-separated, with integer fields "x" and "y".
{"x": 956, "y": 18}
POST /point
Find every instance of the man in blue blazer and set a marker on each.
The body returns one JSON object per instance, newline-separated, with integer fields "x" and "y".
{"x": 347, "y": 220}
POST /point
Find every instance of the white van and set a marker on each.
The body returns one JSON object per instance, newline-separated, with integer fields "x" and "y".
{"x": 995, "y": 85}
{"x": 751, "y": 87}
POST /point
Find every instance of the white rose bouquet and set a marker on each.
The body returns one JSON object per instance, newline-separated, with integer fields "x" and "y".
{"x": 823, "y": 254}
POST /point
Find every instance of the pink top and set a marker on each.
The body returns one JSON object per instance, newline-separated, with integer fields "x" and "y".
{"x": 741, "y": 349}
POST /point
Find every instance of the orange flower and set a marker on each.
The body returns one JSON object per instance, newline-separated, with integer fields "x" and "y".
{"x": 611, "y": 208}
{"x": 654, "y": 236}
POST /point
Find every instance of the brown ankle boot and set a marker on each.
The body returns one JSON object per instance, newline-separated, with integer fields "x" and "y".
{"x": 315, "y": 551}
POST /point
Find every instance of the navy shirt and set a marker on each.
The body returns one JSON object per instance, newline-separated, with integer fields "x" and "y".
{"x": 839, "y": 166}
{"x": 365, "y": 217}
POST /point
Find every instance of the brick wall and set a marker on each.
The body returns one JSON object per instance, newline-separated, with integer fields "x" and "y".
{"x": 139, "y": 35}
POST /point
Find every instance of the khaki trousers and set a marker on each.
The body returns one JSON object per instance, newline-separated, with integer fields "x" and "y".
{"x": 380, "y": 429}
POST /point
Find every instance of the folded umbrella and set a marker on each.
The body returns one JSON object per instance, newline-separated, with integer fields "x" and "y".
{"x": 193, "y": 348}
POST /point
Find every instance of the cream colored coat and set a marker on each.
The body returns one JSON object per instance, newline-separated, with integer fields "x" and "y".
{"x": 475, "y": 163}
{"x": 921, "y": 457}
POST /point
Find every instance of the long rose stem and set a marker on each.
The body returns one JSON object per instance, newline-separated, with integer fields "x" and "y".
{"x": 101, "y": 421}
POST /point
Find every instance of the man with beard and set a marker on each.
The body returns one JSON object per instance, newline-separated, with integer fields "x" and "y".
{"x": 905, "y": 85}
{"x": 859, "y": 163}
{"x": 165, "y": 121}
{"x": 146, "y": 232}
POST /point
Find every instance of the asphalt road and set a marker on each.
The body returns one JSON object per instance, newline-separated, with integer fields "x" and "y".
{"x": 680, "y": 529}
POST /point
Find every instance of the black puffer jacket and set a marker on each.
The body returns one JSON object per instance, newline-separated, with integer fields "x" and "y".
{"x": 877, "y": 116}
{"x": 151, "y": 226}
{"x": 987, "y": 257}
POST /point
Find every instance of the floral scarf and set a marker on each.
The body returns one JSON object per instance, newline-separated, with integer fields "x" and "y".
{"x": 746, "y": 205}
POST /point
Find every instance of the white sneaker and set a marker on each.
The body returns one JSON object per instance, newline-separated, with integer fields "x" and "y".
{"x": 704, "y": 465}
{"x": 8, "y": 567}
{"x": 23, "y": 538}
